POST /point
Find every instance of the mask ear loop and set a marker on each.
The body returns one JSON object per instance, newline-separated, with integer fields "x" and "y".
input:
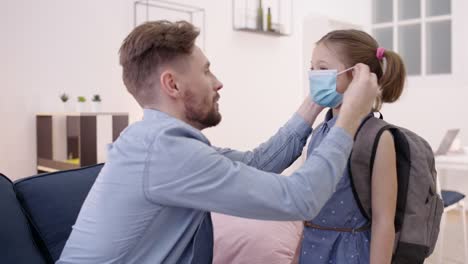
{"x": 345, "y": 70}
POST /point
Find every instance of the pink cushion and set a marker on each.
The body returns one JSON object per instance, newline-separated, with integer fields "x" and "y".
{"x": 246, "y": 241}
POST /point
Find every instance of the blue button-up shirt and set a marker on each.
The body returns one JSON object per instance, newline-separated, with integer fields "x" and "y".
{"x": 162, "y": 176}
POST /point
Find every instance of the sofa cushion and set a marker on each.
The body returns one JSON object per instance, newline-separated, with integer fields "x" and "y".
{"x": 241, "y": 240}
{"x": 53, "y": 201}
{"x": 16, "y": 238}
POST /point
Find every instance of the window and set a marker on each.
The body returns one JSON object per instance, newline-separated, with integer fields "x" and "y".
{"x": 419, "y": 30}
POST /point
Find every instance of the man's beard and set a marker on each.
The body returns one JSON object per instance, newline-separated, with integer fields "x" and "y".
{"x": 195, "y": 114}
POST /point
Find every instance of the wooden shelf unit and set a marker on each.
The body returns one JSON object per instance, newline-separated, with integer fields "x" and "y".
{"x": 80, "y": 136}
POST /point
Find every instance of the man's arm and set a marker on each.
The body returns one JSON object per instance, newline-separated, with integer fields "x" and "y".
{"x": 193, "y": 175}
{"x": 281, "y": 150}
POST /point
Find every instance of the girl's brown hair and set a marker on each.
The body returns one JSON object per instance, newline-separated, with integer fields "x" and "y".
{"x": 357, "y": 46}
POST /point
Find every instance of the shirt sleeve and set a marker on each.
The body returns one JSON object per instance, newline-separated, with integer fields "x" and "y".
{"x": 279, "y": 152}
{"x": 185, "y": 172}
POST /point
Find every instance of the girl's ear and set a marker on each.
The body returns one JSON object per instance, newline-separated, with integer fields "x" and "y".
{"x": 350, "y": 75}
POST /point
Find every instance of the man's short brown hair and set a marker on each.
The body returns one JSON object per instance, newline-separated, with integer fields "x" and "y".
{"x": 149, "y": 46}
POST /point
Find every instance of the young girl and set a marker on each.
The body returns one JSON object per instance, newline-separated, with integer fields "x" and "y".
{"x": 340, "y": 233}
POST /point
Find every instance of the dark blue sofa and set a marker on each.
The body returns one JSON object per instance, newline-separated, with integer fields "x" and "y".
{"x": 37, "y": 213}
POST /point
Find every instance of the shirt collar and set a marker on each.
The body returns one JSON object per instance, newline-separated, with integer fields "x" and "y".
{"x": 159, "y": 116}
{"x": 330, "y": 120}
{"x": 149, "y": 114}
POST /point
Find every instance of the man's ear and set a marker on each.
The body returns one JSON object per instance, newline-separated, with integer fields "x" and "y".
{"x": 168, "y": 84}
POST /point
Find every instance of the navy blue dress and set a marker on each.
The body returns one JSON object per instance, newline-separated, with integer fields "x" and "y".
{"x": 341, "y": 211}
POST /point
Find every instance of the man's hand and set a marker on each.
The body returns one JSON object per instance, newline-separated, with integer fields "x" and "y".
{"x": 358, "y": 98}
{"x": 309, "y": 110}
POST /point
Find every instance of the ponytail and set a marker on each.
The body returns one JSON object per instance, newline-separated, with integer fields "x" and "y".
{"x": 393, "y": 79}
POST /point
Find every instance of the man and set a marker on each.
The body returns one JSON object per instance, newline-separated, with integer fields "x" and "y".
{"x": 151, "y": 203}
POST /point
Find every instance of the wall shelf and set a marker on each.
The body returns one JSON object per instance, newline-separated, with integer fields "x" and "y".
{"x": 72, "y": 140}
{"x": 271, "y": 33}
{"x": 151, "y": 10}
{"x": 267, "y": 17}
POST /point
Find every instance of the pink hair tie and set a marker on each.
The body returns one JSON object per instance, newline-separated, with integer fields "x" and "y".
{"x": 380, "y": 53}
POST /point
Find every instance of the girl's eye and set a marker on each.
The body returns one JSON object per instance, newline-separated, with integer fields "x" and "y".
{"x": 320, "y": 68}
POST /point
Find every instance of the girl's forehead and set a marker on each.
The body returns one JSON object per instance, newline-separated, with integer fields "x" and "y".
{"x": 325, "y": 53}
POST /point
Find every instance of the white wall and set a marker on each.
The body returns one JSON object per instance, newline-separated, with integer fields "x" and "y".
{"x": 52, "y": 46}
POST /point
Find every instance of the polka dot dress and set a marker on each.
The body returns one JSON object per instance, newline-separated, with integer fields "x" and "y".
{"x": 341, "y": 211}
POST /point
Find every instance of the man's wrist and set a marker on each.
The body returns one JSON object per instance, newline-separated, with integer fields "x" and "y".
{"x": 349, "y": 122}
{"x": 309, "y": 111}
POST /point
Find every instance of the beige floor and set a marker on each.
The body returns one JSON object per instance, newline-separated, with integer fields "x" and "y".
{"x": 453, "y": 242}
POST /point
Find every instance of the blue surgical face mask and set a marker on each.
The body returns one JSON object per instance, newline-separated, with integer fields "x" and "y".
{"x": 322, "y": 85}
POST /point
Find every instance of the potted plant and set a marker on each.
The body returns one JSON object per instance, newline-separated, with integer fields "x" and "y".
{"x": 80, "y": 105}
{"x": 96, "y": 103}
{"x": 64, "y": 98}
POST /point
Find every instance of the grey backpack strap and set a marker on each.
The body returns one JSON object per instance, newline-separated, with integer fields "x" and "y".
{"x": 361, "y": 161}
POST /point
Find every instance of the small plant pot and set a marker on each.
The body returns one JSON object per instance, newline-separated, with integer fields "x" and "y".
{"x": 79, "y": 107}
{"x": 96, "y": 107}
{"x": 66, "y": 107}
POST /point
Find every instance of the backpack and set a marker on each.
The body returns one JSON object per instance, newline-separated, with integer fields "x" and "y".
{"x": 419, "y": 207}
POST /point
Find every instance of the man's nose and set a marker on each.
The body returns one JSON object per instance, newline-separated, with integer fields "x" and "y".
{"x": 219, "y": 86}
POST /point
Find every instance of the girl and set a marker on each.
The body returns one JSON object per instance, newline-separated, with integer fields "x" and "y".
{"x": 340, "y": 233}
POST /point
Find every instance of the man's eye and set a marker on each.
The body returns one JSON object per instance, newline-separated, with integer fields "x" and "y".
{"x": 323, "y": 68}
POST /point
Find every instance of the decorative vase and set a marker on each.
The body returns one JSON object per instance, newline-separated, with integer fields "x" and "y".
{"x": 65, "y": 107}
{"x": 79, "y": 107}
{"x": 96, "y": 107}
